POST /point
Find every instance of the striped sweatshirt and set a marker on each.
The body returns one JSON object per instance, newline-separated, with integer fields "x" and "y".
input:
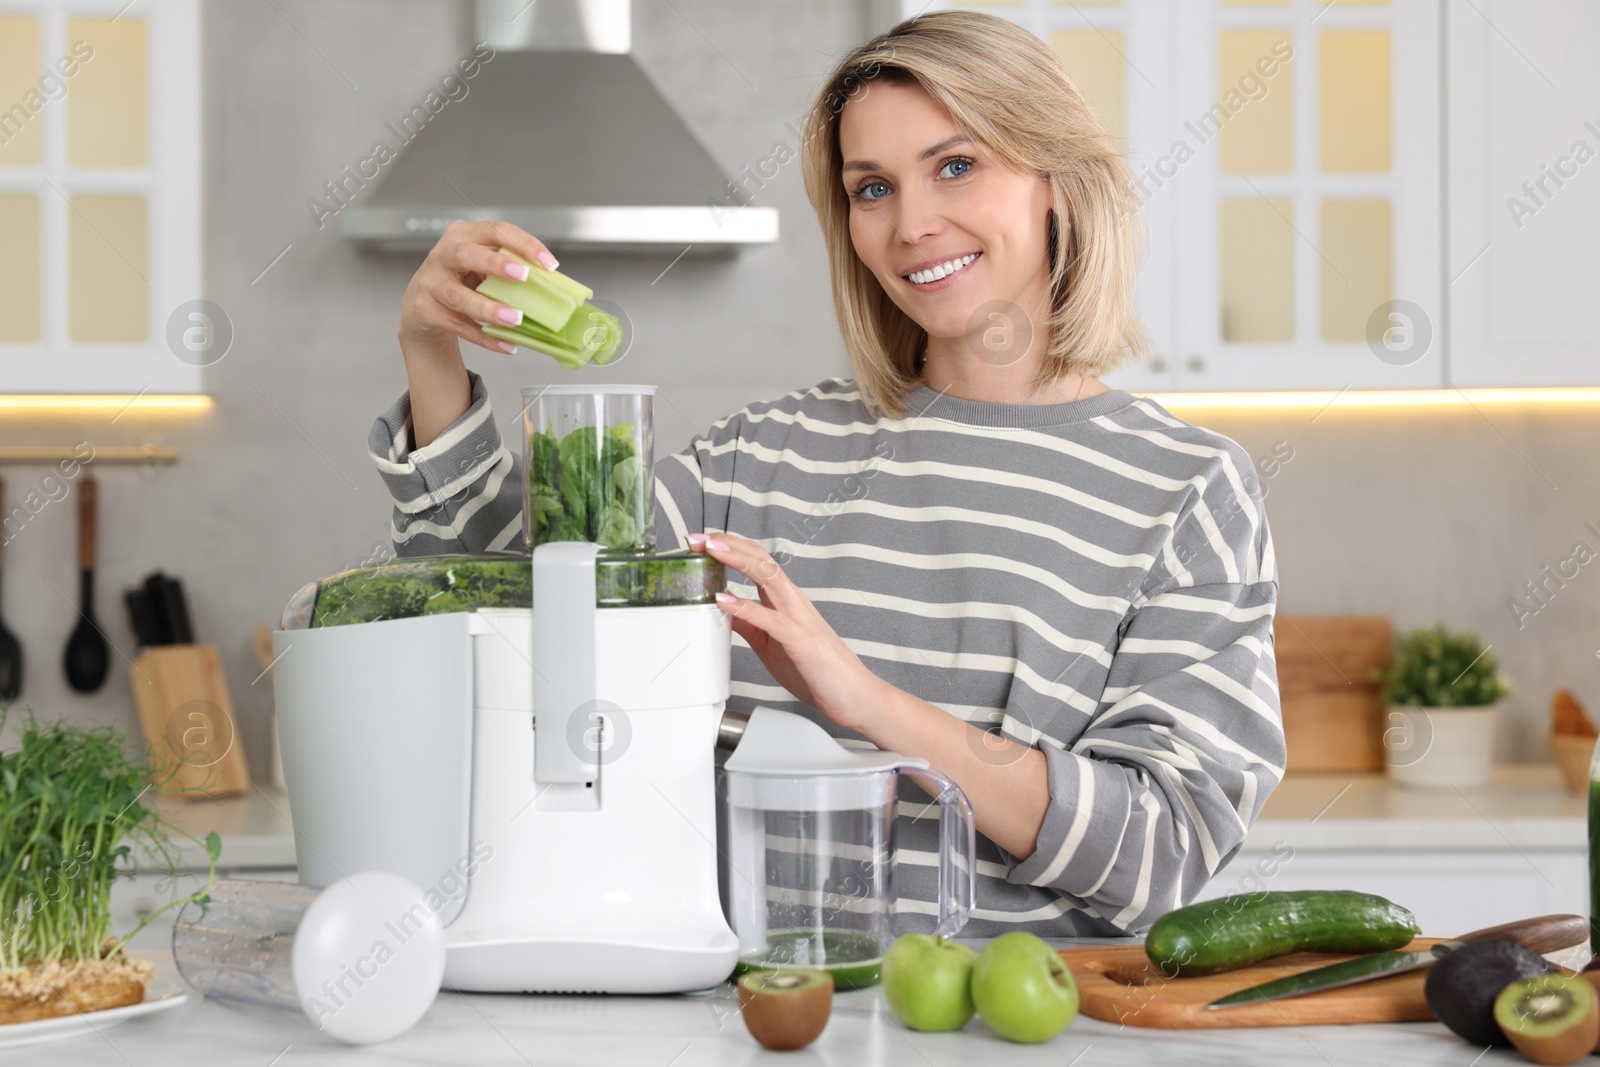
{"x": 1094, "y": 579}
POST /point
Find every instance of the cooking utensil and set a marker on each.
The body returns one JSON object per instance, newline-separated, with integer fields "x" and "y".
{"x": 10, "y": 648}
{"x": 87, "y": 657}
{"x": 1544, "y": 934}
{"x": 142, "y": 616}
{"x": 159, "y": 612}
{"x": 177, "y": 609}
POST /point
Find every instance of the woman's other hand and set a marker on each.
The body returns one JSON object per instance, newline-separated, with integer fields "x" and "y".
{"x": 790, "y": 636}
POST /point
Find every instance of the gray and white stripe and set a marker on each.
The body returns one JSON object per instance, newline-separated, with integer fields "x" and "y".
{"x": 1093, "y": 578}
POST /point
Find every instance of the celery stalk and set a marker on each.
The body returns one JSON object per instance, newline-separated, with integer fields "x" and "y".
{"x": 560, "y": 355}
{"x": 591, "y": 335}
{"x": 556, "y": 319}
{"x": 548, "y": 296}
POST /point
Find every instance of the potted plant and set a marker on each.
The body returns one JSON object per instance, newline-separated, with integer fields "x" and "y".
{"x": 1442, "y": 690}
{"x": 70, "y": 822}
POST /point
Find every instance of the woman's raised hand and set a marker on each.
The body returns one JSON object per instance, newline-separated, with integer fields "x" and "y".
{"x": 793, "y": 640}
{"x": 441, "y": 303}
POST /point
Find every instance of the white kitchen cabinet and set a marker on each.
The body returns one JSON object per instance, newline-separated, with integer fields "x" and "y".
{"x": 100, "y": 203}
{"x": 1288, "y": 159}
{"x": 1523, "y": 192}
{"x": 1306, "y": 162}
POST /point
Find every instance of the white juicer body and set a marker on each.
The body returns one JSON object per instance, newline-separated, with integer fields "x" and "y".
{"x": 609, "y": 887}
{"x": 545, "y": 774}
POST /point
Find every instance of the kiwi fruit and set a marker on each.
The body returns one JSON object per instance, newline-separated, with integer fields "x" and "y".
{"x": 787, "y": 1008}
{"x": 1591, "y": 974}
{"x": 1462, "y": 986}
{"x": 1551, "y": 1018}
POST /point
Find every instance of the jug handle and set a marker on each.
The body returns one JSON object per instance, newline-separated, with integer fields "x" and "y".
{"x": 957, "y": 849}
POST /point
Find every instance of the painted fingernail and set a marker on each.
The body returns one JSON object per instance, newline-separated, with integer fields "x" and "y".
{"x": 509, "y": 316}
{"x": 507, "y": 347}
{"x": 517, "y": 272}
{"x": 727, "y": 598}
{"x": 697, "y": 539}
{"x": 547, "y": 261}
{"x": 715, "y": 545}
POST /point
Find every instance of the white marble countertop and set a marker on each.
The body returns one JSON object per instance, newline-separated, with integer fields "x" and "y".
{"x": 705, "y": 1029}
{"x": 1523, "y": 806}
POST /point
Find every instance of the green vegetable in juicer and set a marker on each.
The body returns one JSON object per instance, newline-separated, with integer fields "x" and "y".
{"x": 556, "y": 317}
{"x": 436, "y": 585}
{"x": 590, "y": 485}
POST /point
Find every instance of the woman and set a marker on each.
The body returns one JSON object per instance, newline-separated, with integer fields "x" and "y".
{"x": 974, "y": 552}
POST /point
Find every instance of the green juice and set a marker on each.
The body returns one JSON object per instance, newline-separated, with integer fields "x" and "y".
{"x": 1594, "y": 864}
{"x": 852, "y": 958}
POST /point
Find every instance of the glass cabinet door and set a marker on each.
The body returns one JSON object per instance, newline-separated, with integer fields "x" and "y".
{"x": 99, "y": 194}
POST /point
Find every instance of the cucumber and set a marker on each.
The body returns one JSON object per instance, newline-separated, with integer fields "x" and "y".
{"x": 1230, "y": 932}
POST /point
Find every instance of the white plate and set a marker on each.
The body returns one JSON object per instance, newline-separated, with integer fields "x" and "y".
{"x": 14, "y": 1034}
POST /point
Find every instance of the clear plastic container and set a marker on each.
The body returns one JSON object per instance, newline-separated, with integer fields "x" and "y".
{"x": 811, "y": 867}
{"x": 239, "y": 946}
{"x": 362, "y": 959}
{"x": 590, "y": 465}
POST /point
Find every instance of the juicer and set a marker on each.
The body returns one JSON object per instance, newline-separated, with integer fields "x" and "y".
{"x": 532, "y": 741}
{"x": 544, "y": 774}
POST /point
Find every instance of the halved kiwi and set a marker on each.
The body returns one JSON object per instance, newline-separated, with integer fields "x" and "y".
{"x": 1551, "y": 1018}
{"x": 788, "y": 1008}
{"x": 1591, "y": 974}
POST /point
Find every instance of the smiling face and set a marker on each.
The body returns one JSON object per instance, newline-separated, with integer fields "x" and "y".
{"x": 923, "y": 195}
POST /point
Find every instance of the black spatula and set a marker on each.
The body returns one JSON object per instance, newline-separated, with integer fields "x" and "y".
{"x": 10, "y": 648}
{"x": 87, "y": 658}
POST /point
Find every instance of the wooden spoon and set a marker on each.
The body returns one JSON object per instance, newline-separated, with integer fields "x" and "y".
{"x": 88, "y": 657}
{"x": 10, "y": 648}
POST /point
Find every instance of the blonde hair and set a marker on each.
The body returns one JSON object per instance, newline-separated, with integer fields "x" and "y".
{"x": 1004, "y": 88}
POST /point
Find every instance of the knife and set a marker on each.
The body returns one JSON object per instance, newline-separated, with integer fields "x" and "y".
{"x": 1544, "y": 934}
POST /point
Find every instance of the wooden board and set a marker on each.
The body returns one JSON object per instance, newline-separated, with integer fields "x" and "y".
{"x": 1119, "y": 984}
{"x": 187, "y": 716}
{"x": 1332, "y": 710}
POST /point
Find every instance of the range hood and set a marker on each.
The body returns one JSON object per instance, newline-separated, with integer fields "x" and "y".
{"x": 562, "y": 134}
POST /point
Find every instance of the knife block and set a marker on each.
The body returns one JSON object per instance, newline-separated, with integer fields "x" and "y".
{"x": 187, "y": 717}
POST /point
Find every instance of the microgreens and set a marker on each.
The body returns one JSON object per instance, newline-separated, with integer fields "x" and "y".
{"x": 70, "y": 819}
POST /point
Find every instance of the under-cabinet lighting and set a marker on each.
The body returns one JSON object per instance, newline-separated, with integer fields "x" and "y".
{"x": 1376, "y": 398}
{"x": 94, "y": 403}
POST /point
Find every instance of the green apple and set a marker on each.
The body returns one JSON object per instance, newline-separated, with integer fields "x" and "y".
{"x": 928, "y": 982}
{"x": 1023, "y": 988}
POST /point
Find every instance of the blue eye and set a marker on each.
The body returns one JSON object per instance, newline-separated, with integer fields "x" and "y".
{"x": 958, "y": 159}
{"x": 860, "y": 194}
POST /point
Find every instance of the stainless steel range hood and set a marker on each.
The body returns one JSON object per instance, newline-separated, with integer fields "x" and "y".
{"x": 562, "y": 134}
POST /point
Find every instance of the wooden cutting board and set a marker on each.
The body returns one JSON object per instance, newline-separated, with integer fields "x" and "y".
{"x": 1119, "y": 984}
{"x": 1333, "y": 712}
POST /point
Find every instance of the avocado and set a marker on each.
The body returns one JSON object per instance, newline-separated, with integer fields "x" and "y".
{"x": 1462, "y": 986}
